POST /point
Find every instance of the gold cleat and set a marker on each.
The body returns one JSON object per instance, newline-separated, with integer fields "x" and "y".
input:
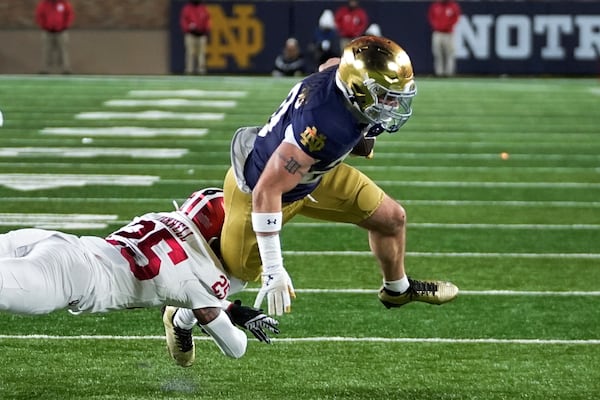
{"x": 180, "y": 342}
{"x": 432, "y": 292}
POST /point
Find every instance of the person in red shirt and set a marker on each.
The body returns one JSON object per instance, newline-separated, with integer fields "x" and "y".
{"x": 351, "y": 21}
{"x": 55, "y": 17}
{"x": 443, "y": 16}
{"x": 195, "y": 24}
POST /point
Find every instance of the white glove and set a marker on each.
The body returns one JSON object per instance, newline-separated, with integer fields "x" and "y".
{"x": 277, "y": 285}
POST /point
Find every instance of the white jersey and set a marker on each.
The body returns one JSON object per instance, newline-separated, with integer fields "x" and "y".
{"x": 166, "y": 251}
{"x": 158, "y": 258}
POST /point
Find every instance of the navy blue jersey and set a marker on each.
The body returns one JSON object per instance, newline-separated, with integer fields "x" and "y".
{"x": 316, "y": 116}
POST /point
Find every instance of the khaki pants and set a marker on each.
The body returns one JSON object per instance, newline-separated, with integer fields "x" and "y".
{"x": 442, "y": 47}
{"x": 54, "y": 51}
{"x": 344, "y": 195}
{"x": 195, "y": 53}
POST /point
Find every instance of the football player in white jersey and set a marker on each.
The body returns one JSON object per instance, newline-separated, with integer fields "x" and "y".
{"x": 157, "y": 259}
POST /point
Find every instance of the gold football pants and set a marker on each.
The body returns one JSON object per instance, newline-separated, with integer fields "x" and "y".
{"x": 344, "y": 195}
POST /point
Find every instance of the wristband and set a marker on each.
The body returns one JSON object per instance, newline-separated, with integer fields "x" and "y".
{"x": 267, "y": 222}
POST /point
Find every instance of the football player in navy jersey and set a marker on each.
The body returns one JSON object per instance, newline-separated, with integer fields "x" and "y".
{"x": 294, "y": 165}
{"x": 157, "y": 259}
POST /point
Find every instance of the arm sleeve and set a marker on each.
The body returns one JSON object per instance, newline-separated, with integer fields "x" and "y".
{"x": 183, "y": 20}
{"x": 69, "y": 16}
{"x": 231, "y": 340}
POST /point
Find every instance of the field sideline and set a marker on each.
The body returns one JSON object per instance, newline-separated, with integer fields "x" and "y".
{"x": 501, "y": 182}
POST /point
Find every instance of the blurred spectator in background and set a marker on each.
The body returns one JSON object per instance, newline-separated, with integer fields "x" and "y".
{"x": 326, "y": 42}
{"x": 351, "y": 21}
{"x": 291, "y": 61}
{"x": 55, "y": 17}
{"x": 373, "y": 30}
{"x": 443, "y": 16}
{"x": 195, "y": 24}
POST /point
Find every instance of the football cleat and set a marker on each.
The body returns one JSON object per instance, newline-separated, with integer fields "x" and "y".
{"x": 432, "y": 292}
{"x": 180, "y": 342}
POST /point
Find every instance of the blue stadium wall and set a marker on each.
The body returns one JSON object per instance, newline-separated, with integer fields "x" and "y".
{"x": 508, "y": 37}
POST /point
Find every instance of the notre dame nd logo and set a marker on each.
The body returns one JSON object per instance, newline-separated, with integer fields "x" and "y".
{"x": 239, "y": 37}
{"x": 311, "y": 139}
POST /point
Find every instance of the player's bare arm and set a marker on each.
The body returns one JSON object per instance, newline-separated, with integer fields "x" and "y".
{"x": 283, "y": 172}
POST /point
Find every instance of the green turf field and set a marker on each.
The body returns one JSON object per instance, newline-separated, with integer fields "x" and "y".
{"x": 520, "y": 236}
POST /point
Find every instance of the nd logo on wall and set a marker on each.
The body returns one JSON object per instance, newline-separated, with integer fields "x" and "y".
{"x": 238, "y": 37}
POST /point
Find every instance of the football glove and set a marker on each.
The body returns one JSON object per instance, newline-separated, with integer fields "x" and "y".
{"x": 253, "y": 320}
{"x": 364, "y": 148}
{"x": 277, "y": 286}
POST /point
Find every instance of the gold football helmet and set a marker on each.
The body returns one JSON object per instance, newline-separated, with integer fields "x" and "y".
{"x": 377, "y": 76}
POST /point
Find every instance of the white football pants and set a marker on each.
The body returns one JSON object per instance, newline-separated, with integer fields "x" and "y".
{"x": 42, "y": 271}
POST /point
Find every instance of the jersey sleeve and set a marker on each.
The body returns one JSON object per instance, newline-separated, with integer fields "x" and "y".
{"x": 326, "y": 132}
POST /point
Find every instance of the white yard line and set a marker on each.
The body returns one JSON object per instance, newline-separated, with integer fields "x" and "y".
{"x": 327, "y": 339}
{"x": 171, "y": 103}
{"x": 576, "y": 293}
{"x": 124, "y": 131}
{"x": 504, "y": 203}
{"x": 462, "y": 184}
{"x": 588, "y": 256}
{"x": 451, "y": 203}
{"x": 7, "y": 218}
{"x": 89, "y": 152}
{"x": 211, "y": 94}
{"x": 150, "y": 115}
{"x": 26, "y": 182}
{"x": 321, "y": 225}
{"x": 485, "y": 156}
{"x": 449, "y": 168}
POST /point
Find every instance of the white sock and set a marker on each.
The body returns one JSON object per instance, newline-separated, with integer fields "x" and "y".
{"x": 184, "y": 318}
{"x": 399, "y": 286}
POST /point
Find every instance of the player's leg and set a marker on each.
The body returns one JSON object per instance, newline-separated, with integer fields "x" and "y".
{"x": 188, "y": 41}
{"x": 437, "y": 52}
{"x": 46, "y": 52}
{"x": 347, "y": 195}
{"x": 63, "y": 51}
{"x": 202, "y": 42}
{"x": 449, "y": 55}
{"x": 180, "y": 342}
{"x": 42, "y": 275}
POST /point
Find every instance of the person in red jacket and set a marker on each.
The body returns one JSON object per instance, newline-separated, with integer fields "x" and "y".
{"x": 195, "y": 24}
{"x": 443, "y": 16}
{"x": 351, "y": 21}
{"x": 55, "y": 17}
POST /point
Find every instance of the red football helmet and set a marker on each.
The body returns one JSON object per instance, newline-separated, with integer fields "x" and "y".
{"x": 206, "y": 210}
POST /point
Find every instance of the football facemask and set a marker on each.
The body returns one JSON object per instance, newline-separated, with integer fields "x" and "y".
{"x": 378, "y": 79}
{"x": 389, "y": 109}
